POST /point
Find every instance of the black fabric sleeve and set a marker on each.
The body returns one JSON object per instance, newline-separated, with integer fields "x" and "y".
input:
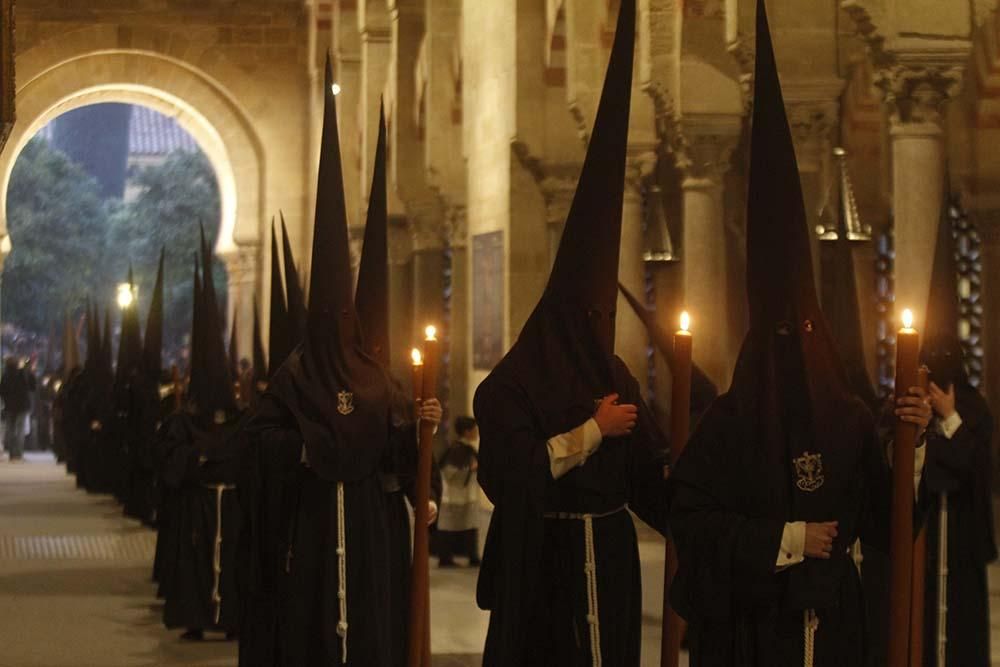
{"x": 648, "y": 493}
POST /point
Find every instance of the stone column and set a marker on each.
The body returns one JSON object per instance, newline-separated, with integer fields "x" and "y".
{"x": 631, "y": 338}
{"x": 400, "y": 297}
{"x": 704, "y": 160}
{"x": 428, "y": 279}
{"x": 813, "y": 122}
{"x": 916, "y": 96}
{"x": 457, "y": 327}
{"x": 241, "y": 271}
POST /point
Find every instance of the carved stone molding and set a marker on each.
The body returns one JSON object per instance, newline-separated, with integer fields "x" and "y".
{"x": 426, "y": 234}
{"x": 917, "y": 92}
{"x": 707, "y": 146}
{"x": 456, "y": 227}
{"x": 7, "y": 87}
{"x": 241, "y": 264}
{"x": 813, "y": 123}
{"x": 640, "y": 166}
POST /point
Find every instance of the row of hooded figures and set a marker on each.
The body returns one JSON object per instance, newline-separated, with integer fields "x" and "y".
{"x": 281, "y": 507}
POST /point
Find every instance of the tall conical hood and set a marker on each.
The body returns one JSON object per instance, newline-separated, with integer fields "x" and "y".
{"x": 279, "y": 332}
{"x": 563, "y": 359}
{"x": 703, "y": 390}
{"x": 296, "y": 300}
{"x": 217, "y": 391}
{"x": 93, "y": 338}
{"x": 332, "y": 322}
{"x": 942, "y": 349}
{"x": 371, "y": 299}
{"x": 338, "y": 395}
{"x": 234, "y": 353}
{"x": 259, "y": 360}
{"x": 585, "y": 271}
{"x": 70, "y": 348}
{"x": 196, "y": 368}
{"x": 842, "y": 310}
{"x": 152, "y": 348}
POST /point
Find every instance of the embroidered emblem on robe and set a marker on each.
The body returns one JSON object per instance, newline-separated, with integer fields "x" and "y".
{"x": 809, "y": 468}
{"x": 345, "y": 402}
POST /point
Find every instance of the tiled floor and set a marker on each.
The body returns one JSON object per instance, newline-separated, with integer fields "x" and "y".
{"x": 75, "y": 591}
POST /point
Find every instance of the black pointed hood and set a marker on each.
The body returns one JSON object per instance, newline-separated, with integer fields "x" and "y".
{"x": 563, "y": 359}
{"x": 216, "y": 394}
{"x": 338, "y": 395}
{"x": 234, "y": 353}
{"x": 942, "y": 348}
{"x": 280, "y": 331}
{"x": 844, "y": 315}
{"x": 295, "y": 299}
{"x": 70, "y": 348}
{"x": 371, "y": 299}
{"x": 196, "y": 368}
{"x": 93, "y": 339}
{"x": 152, "y": 347}
{"x": 259, "y": 359}
{"x": 703, "y": 390}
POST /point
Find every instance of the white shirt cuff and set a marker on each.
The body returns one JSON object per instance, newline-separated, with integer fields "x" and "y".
{"x": 569, "y": 450}
{"x": 950, "y": 425}
{"x": 793, "y": 545}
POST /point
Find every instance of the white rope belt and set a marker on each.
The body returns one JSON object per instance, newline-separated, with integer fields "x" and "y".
{"x": 809, "y": 625}
{"x": 590, "y": 569}
{"x": 342, "y": 573}
{"x": 217, "y": 552}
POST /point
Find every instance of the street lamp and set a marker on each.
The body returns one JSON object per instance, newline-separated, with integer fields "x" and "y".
{"x": 127, "y": 295}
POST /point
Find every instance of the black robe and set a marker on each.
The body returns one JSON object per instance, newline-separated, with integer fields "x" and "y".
{"x": 728, "y": 532}
{"x": 532, "y": 578}
{"x": 961, "y": 467}
{"x": 291, "y": 576}
{"x": 198, "y": 459}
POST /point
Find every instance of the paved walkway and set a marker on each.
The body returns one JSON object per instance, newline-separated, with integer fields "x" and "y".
{"x": 75, "y": 589}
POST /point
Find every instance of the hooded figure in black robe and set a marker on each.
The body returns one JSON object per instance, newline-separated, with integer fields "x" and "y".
{"x": 128, "y": 389}
{"x": 295, "y": 297}
{"x": 560, "y": 572}
{"x": 63, "y": 383}
{"x": 74, "y": 403}
{"x": 200, "y": 459}
{"x": 281, "y": 332}
{"x": 99, "y": 442}
{"x": 784, "y": 471}
{"x": 319, "y": 583}
{"x": 959, "y": 466}
{"x": 259, "y": 368}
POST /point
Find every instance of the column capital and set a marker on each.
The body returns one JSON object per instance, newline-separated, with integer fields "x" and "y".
{"x": 706, "y": 144}
{"x": 426, "y": 235}
{"x": 241, "y": 263}
{"x": 640, "y": 165}
{"x": 813, "y": 123}
{"x": 456, "y": 226}
{"x": 916, "y": 91}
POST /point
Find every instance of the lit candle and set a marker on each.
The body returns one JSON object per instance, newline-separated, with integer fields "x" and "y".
{"x": 680, "y": 417}
{"x": 901, "y": 545}
{"x": 418, "y": 373}
{"x": 432, "y": 355}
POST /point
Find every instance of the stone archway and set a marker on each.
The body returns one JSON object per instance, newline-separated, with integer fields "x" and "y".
{"x": 199, "y": 104}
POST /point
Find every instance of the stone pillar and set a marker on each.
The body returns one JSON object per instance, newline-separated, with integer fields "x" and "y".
{"x": 428, "y": 280}
{"x": 813, "y": 121}
{"x": 457, "y": 327}
{"x": 241, "y": 271}
{"x": 400, "y": 298}
{"x": 631, "y": 338}
{"x": 704, "y": 160}
{"x": 916, "y": 96}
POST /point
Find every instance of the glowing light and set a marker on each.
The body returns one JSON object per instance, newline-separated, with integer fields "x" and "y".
{"x": 907, "y": 319}
{"x": 685, "y": 321}
{"x": 418, "y": 359}
{"x": 335, "y": 89}
{"x": 431, "y": 332}
{"x": 125, "y": 296}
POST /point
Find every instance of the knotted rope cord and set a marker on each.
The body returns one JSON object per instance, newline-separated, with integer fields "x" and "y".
{"x": 593, "y": 618}
{"x": 217, "y": 551}
{"x": 342, "y": 573}
{"x": 809, "y": 626}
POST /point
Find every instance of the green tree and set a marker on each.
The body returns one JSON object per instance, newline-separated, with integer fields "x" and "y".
{"x": 174, "y": 198}
{"x": 56, "y": 221}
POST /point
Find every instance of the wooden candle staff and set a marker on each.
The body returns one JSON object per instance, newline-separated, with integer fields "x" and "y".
{"x": 919, "y": 572}
{"x": 425, "y": 371}
{"x": 901, "y": 535}
{"x": 680, "y": 417}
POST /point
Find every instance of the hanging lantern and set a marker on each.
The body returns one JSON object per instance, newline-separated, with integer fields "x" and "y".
{"x": 828, "y": 229}
{"x": 659, "y": 246}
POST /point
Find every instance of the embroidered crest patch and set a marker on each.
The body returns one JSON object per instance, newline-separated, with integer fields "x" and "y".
{"x": 345, "y": 402}
{"x": 809, "y": 468}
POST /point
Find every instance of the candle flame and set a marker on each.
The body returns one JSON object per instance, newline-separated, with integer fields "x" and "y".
{"x": 431, "y": 332}
{"x": 685, "y": 321}
{"x": 908, "y": 319}
{"x": 418, "y": 359}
